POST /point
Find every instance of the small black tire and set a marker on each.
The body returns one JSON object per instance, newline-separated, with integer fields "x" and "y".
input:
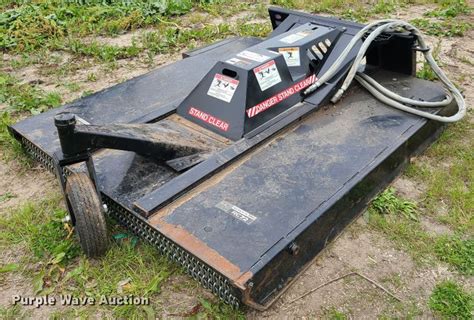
{"x": 90, "y": 226}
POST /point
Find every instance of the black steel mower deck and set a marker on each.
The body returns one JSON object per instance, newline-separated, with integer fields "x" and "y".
{"x": 246, "y": 230}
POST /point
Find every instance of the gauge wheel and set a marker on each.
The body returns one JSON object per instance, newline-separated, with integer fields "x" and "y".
{"x": 90, "y": 226}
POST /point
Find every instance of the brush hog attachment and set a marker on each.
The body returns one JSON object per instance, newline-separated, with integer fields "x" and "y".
{"x": 232, "y": 161}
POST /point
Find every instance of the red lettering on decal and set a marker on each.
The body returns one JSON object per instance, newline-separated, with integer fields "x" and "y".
{"x": 279, "y": 97}
{"x": 201, "y": 115}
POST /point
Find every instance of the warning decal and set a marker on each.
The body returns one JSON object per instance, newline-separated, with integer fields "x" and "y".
{"x": 201, "y": 115}
{"x": 236, "y": 212}
{"x": 267, "y": 75}
{"x": 279, "y": 97}
{"x": 223, "y": 87}
{"x": 291, "y": 55}
{"x": 235, "y": 61}
{"x": 292, "y": 38}
{"x": 252, "y": 56}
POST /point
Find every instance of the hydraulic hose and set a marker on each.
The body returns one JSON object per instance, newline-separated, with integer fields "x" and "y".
{"x": 377, "y": 90}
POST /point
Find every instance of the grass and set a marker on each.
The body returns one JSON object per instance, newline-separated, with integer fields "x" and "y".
{"x": 358, "y": 10}
{"x": 14, "y": 312}
{"x": 398, "y": 219}
{"x": 53, "y": 26}
{"x": 445, "y": 28}
{"x": 445, "y": 24}
{"x": 450, "y": 301}
{"x": 25, "y": 97}
{"x": 54, "y": 263}
{"x": 456, "y": 252}
{"x": 426, "y": 72}
{"x": 362, "y": 11}
{"x": 334, "y": 314}
{"x": 20, "y": 98}
{"x": 27, "y": 226}
{"x": 11, "y": 149}
{"x": 406, "y": 234}
{"x": 450, "y": 9}
{"x": 6, "y": 196}
{"x": 29, "y": 26}
{"x": 446, "y": 170}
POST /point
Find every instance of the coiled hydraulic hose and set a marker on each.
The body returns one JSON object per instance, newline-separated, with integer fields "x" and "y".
{"x": 377, "y": 90}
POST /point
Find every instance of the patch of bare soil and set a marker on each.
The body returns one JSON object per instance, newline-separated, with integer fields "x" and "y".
{"x": 373, "y": 256}
{"x": 409, "y": 189}
{"x": 433, "y": 227}
{"x": 18, "y": 284}
{"x": 22, "y": 185}
{"x": 179, "y": 297}
{"x": 414, "y": 12}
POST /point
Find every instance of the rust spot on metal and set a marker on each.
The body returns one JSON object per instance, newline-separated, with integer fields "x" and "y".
{"x": 242, "y": 280}
{"x": 247, "y": 300}
{"x": 199, "y": 249}
{"x": 198, "y": 129}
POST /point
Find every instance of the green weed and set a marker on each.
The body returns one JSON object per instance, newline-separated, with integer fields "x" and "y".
{"x": 30, "y": 26}
{"x": 253, "y": 29}
{"x": 446, "y": 170}
{"x": 14, "y": 312}
{"x": 103, "y": 53}
{"x": 172, "y": 39}
{"x": 359, "y": 11}
{"x": 383, "y": 215}
{"x": 218, "y": 311}
{"x": 39, "y": 227}
{"x": 11, "y": 148}
{"x": 55, "y": 264}
{"x": 19, "y": 98}
{"x": 225, "y": 8}
{"x": 466, "y": 60}
{"x": 450, "y": 301}
{"x": 426, "y": 72}
{"x": 25, "y": 97}
{"x": 445, "y": 28}
{"x": 334, "y": 314}
{"x": 406, "y": 234}
{"x": 385, "y": 6}
{"x": 450, "y": 9}
{"x": 328, "y": 6}
{"x": 6, "y": 196}
{"x": 457, "y": 252}
{"x": 126, "y": 269}
{"x": 72, "y": 86}
{"x": 388, "y": 203}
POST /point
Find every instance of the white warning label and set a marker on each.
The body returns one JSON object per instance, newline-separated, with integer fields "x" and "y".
{"x": 236, "y": 212}
{"x": 291, "y": 55}
{"x": 267, "y": 75}
{"x": 223, "y": 87}
{"x": 252, "y": 56}
{"x": 292, "y": 38}
{"x": 234, "y": 61}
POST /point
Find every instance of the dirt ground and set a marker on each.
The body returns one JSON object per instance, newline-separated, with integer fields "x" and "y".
{"x": 358, "y": 249}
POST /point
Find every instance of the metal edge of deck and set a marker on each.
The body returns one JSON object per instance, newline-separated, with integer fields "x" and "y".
{"x": 252, "y": 294}
{"x": 344, "y": 207}
{"x": 234, "y": 293}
